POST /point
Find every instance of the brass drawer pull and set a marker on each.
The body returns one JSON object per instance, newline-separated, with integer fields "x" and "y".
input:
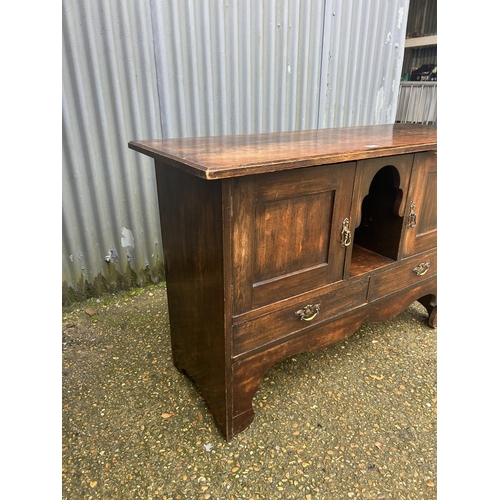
{"x": 422, "y": 268}
{"x": 308, "y": 313}
{"x": 345, "y": 236}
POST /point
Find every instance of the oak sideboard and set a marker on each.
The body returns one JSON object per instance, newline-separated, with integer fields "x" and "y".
{"x": 281, "y": 243}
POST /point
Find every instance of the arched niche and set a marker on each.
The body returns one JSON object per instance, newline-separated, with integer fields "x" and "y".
{"x": 380, "y": 226}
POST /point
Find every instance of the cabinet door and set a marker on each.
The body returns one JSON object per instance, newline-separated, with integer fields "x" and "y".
{"x": 420, "y": 228}
{"x": 286, "y": 232}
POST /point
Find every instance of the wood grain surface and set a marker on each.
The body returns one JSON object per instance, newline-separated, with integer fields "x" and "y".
{"x": 232, "y": 156}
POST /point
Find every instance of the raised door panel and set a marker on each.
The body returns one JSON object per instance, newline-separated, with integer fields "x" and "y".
{"x": 286, "y": 232}
{"x": 420, "y": 228}
{"x": 282, "y": 249}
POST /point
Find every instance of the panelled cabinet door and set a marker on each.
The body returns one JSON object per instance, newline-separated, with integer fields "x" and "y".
{"x": 420, "y": 228}
{"x": 286, "y": 232}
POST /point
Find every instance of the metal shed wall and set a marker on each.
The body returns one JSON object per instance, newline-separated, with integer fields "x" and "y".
{"x": 171, "y": 68}
{"x": 415, "y": 57}
{"x": 417, "y": 103}
{"x": 422, "y": 18}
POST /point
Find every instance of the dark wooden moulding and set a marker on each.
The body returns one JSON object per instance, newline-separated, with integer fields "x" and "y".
{"x": 282, "y": 243}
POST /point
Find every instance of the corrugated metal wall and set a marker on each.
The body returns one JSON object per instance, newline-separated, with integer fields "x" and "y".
{"x": 417, "y": 103}
{"x": 415, "y": 57}
{"x": 237, "y": 66}
{"x": 169, "y": 68}
{"x": 422, "y": 21}
{"x": 422, "y": 18}
{"x": 109, "y": 96}
{"x": 362, "y": 57}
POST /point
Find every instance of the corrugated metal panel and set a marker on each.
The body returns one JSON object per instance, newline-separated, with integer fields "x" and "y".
{"x": 422, "y": 18}
{"x": 364, "y": 50}
{"x": 237, "y": 66}
{"x": 417, "y": 103}
{"x": 170, "y": 68}
{"x": 109, "y": 96}
{"x": 415, "y": 57}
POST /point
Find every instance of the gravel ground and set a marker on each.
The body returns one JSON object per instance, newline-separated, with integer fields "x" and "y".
{"x": 354, "y": 421}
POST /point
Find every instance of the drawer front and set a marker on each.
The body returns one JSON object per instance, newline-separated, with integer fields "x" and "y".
{"x": 310, "y": 310}
{"x": 408, "y": 272}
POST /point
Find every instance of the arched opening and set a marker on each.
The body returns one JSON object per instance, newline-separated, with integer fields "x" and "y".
{"x": 376, "y": 239}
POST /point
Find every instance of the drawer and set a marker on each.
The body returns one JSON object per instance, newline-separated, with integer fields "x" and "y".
{"x": 406, "y": 273}
{"x": 286, "y": 320}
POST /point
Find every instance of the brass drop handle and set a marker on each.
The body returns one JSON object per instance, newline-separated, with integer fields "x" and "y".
{"x": 345, "y": 235}
{"x": 412, "y": 218}
{"x": 422, "y": 268}
{"x": 308, "y": 313}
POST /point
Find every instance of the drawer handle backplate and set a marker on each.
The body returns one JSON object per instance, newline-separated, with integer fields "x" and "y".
{"x": 308, "y": 312}
{"x": 422, "y": 268}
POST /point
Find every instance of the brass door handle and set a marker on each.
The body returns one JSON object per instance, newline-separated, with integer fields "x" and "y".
{"x": 308, "y": 313}
{"x": 345, "y": 235}
{"x": 412, "y": 218}
{"x": 422, "y": 268}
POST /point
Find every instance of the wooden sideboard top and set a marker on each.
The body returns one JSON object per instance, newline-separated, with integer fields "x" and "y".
{"x": 237, "y": 155}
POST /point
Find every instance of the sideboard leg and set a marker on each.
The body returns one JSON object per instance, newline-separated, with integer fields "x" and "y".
{"x": 247, "y": 377}
{"x": 430, "y": 303}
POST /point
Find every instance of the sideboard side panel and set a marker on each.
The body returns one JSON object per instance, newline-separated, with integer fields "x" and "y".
{"x": 191, "y": 226}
